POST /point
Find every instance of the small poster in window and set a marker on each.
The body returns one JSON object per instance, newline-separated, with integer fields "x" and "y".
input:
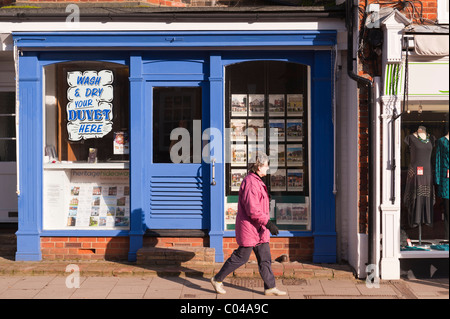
{"x": 239, "y": 105}
{"x": 98, "y": 199}
{"x": 89, "y": 107}
{"x": 237, "y": 130}
{"x": 277, "y": 154}
{"x": 295, "y": 104}
{"x": 279, "y": 127}
{"x": 294, "y": 130}
{"x": 255, "y": 130}
{"x": 238, "y": 155}
{"x": 276, "y": 105}
{"x": 278, "y": 181}
{"x": 294, "y": 154}
{"x": 292, "y": 214}
{"x": 295, "y": 180}
{"x": 300, "y": 214}
{"x": 256, "y": 105}
{"x": 230, "y": 213}
{"x": 121, "y": 144}
{"x": 237, "y": 176}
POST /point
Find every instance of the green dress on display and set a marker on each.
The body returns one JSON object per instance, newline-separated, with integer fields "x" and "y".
{"x": 441, "y": 172}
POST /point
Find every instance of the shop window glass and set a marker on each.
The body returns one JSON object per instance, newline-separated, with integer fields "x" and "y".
{"x": 424, "y": 216}
{"x": 261, "y": 96}
{"x": 7, "y": 127}
{"x": 86, "y": 176}
{"x": 87, "y": 112}
{"x": 175, "y": 108}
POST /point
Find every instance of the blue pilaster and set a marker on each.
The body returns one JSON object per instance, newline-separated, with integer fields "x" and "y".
{"x": 323, "y": 201}
{"x": 137, "y": 180}
{"x": 216, "y": 121}
{"x": 30, "y": 158}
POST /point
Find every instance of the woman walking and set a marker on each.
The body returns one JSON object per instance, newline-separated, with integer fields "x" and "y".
{"x": 253, "y": 229}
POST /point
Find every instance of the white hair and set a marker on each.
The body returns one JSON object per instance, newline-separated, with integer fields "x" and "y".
{"x": 258, "y": 160}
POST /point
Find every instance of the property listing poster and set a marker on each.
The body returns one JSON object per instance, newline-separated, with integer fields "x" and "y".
{"x": 293, "y": 213}
{"x": 99, "y": 199}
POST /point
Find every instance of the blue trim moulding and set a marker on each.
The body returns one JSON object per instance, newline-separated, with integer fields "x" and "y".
{"x": 209, "y": 54}
{"x": 200, "y": 39}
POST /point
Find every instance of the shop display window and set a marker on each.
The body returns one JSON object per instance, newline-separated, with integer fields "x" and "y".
{"x": 87, "y": 112}
{"x": 7, "y": 127}
{"x": 267, "y": 110}
{"x": 86, "y": 146}
{"x": 424, "y": 174}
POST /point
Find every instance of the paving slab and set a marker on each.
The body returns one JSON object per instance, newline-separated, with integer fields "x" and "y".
{"x": 339, "y": 287}
{"x": 199, "y": 287}
{"x": 382, "y": 290}
{"x": 429, "y": 288}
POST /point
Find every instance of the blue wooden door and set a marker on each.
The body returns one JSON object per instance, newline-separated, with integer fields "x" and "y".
{"x": 178, "y": 182}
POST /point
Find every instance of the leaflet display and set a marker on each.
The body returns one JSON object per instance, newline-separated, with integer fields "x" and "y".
{"x": 276, "y": 125}
{"x": 87, "y": 199}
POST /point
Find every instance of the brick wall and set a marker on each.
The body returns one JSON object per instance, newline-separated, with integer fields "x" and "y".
{"x": 180, "y": 242}
{"x": 297, "y": 248}
{"x": 116, "y": 248}
{"x": 85, "y": 248}
{"x": 419, "y": 11}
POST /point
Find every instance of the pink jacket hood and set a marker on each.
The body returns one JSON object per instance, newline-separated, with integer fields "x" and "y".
{"x": 253, "y": 212}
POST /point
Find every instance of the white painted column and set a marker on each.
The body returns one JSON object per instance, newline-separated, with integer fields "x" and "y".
{"x": 390, "y": 207}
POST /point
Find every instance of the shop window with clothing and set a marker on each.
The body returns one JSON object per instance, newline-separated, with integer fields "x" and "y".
{"x": 424, "y": 169}
{"x": 86, "y": 150}
{"x": 267, "y": 110}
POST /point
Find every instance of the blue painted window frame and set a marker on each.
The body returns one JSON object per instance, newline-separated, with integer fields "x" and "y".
{"x": 49, "y": 58}
{"x": 321, "y": 75}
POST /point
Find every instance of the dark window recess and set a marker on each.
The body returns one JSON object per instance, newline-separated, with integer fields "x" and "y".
{"x": 174, "y": 107}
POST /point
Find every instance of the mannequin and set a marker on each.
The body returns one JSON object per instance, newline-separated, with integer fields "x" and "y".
{"x": 421, "y": 133}
{"x": 442, "y": 175}
{"x": 419, "y": 192}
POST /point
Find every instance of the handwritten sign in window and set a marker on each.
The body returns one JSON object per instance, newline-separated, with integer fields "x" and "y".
{"x": 89, "y": 110}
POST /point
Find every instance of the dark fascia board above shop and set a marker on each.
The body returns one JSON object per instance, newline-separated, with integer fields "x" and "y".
{"x": 110, "y": 13}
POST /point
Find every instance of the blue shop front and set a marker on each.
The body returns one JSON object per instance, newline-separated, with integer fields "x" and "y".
{"x": 125, "y": 133}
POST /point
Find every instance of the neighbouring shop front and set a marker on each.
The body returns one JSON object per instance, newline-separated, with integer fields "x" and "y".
{"x": 414, "y": 117}
{"x": 126, "y": 133}
{"x": 424, "y": 163}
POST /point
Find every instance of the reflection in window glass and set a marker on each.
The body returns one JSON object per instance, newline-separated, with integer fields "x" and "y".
{"x": 175, "y": 107}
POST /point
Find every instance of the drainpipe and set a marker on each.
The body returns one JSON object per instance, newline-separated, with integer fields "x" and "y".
{"x": 349, "y": 21}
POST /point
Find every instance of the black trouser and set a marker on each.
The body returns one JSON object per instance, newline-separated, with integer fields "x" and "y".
{"x": 241, "y": 255}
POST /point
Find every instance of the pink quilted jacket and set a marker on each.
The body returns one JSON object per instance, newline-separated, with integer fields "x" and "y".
{"x": 253, "y": 212}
